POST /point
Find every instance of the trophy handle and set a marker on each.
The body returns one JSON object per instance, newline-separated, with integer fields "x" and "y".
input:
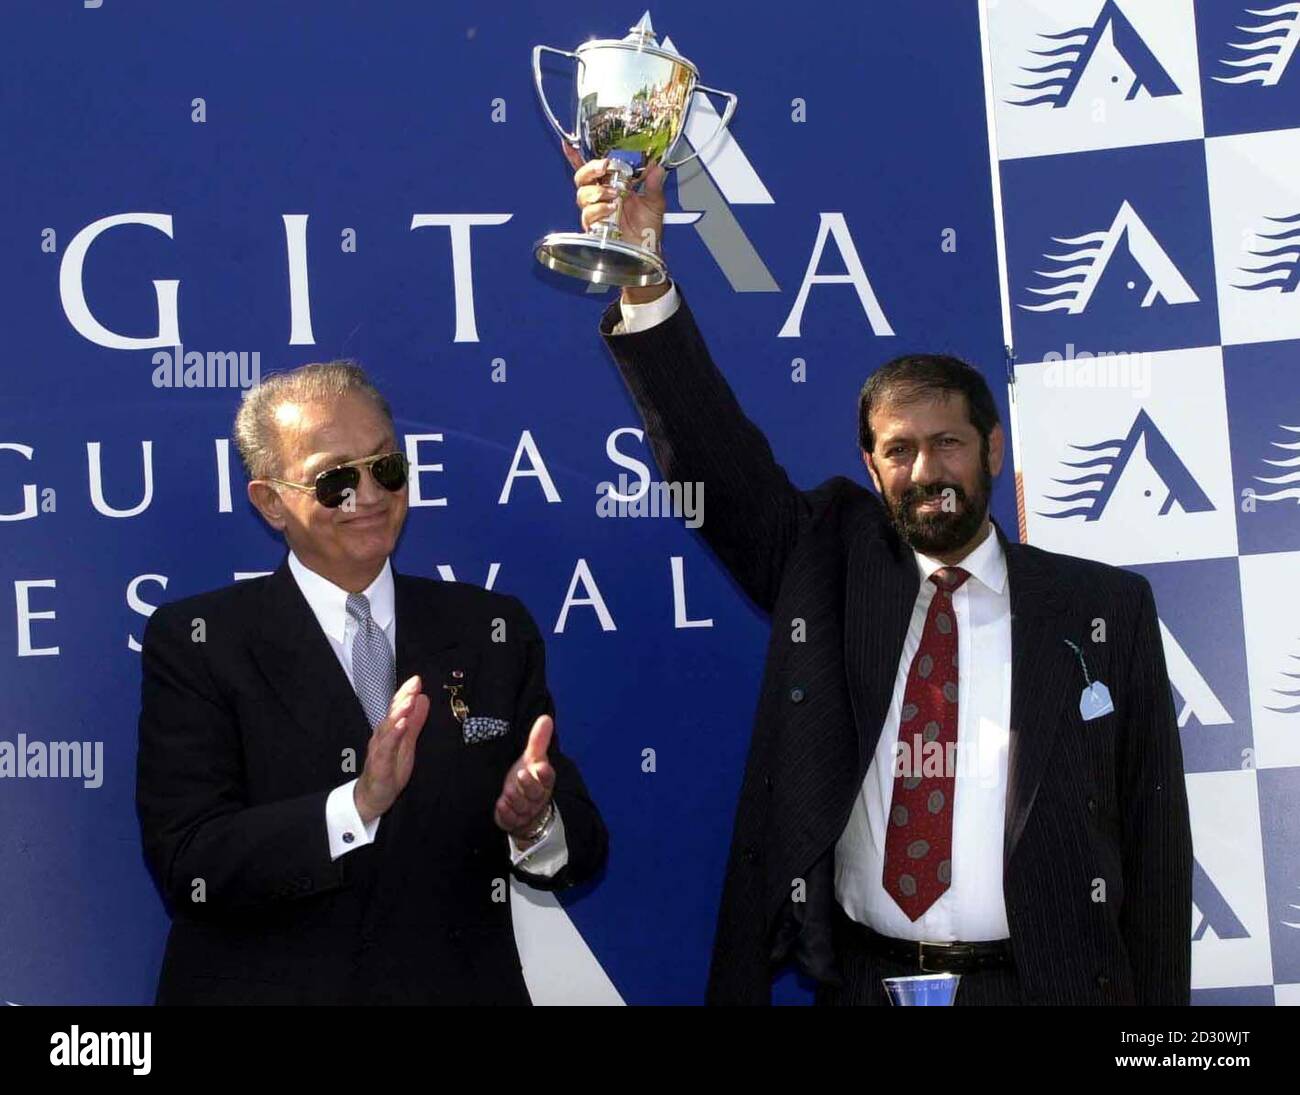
{"x": 722, "y": 124}
{"x": 569, "y": 138}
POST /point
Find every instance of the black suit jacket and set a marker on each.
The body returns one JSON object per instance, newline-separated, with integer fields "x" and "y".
{"x": 243, "y": 736}
{"x": 1095, "y": 809}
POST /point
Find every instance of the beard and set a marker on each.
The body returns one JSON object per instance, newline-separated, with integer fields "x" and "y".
{"x": 939, "y": 531}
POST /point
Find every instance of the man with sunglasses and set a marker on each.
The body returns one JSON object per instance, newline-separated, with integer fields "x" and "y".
{"x": 341, "y": 765}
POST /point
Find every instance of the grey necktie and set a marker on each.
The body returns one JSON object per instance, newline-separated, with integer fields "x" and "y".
{"x": 374, "y": 676}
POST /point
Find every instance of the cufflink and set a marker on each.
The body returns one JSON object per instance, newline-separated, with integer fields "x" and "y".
{"x": 348, "y": 838}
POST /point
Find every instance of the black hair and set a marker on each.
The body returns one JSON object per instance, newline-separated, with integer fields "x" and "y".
{"x": 916, "y": 376}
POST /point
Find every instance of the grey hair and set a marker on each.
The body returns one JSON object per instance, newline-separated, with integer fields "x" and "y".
{"x": 256, "y": 434}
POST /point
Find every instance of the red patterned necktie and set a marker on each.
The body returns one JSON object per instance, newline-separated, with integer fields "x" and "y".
{"x": 918, "y": 842}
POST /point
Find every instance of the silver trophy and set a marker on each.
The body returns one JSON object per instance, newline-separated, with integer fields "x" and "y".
{"x": 633, "y": 99}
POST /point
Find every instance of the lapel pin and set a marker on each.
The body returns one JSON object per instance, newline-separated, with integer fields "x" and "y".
{"x": 1095, "y": 699}
{"x": 459, "y": 708}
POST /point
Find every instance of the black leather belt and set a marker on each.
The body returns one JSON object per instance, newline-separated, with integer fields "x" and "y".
{"x": 929, "y": 957}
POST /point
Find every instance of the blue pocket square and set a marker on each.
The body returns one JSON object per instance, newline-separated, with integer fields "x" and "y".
{"x": 1095, "y": 701}
{"x": 479, "y": 728}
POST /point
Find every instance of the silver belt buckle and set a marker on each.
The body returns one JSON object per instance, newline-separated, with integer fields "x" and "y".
{"x": 921, "y": 944}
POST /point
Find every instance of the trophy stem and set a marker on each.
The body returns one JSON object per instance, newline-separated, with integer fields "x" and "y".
{"x": 617, "y": 178}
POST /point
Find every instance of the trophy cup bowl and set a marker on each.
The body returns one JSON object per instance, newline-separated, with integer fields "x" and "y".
{"x": 634, "y": 96}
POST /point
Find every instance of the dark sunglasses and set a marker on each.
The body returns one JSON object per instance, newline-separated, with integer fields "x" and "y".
{"x": 333, "y": 485}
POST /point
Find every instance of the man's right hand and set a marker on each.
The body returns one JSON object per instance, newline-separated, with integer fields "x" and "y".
{"x": 641, "y": 220}
{"x": 390, "y": 756}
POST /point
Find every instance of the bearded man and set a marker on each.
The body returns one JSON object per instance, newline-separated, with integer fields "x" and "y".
{"x": 965, "y": 757}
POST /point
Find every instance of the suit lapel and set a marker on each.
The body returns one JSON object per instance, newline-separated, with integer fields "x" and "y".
{"x": 425, "y": 635}
{"x": 296, "y": 659}
{"x": 880, "y": 593}
{"x": 431, "y": 643}
{"x": 1044, "y": 675}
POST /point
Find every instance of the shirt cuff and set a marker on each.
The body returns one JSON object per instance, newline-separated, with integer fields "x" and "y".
{"x": 640, "y": 317}
{"x": 547, "y": 856}
{"x": 346, "y": 831}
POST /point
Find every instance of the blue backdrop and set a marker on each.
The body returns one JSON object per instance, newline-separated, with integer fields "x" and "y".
{"x": 866, "y": 120}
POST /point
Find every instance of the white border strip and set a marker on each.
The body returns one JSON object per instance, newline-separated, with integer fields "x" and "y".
{"x": 986, "y": 52}
{"x": 999, "y": 232}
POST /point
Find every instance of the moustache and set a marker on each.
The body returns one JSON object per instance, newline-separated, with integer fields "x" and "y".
{"x": 914, "y": 496}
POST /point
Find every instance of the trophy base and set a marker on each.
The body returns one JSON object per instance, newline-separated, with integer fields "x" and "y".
{"x": 600, "y": 261}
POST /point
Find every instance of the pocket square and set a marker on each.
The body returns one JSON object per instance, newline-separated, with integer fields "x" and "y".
{"x": 1095, "y": 701}
{"x": 479, "y": 728}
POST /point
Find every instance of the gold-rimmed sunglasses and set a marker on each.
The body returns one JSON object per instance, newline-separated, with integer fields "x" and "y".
{"x": 333, "y": 485}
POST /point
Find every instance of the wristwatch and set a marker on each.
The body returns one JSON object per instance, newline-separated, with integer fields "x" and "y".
{"x": 540, "y": 830}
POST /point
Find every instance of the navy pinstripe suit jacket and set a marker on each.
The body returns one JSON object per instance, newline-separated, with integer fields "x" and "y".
{"x": 1103, "y": 799}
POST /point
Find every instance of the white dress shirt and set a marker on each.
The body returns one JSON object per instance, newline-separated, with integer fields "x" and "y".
{"x": 637, "y": 317}
{"x": 972, "y": 908}
{"x": 343, "y": 824}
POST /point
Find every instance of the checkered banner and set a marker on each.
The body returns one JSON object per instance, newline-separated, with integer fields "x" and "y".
{"x": 1148, "y": 162}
